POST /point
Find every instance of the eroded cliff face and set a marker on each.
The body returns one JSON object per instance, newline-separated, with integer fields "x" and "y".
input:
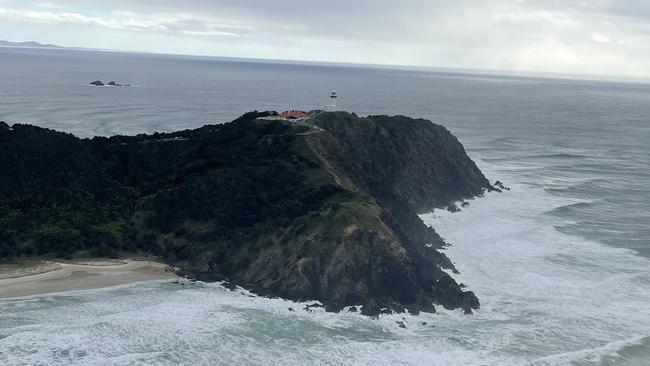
{"x": 407, "y": 166}
{"x": 306, "y": 215}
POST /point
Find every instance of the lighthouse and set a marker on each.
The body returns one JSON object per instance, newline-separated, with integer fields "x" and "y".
{"x": 331, "y": 107}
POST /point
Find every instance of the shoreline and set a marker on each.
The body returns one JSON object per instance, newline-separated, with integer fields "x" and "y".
{"x": 62, "y": 276}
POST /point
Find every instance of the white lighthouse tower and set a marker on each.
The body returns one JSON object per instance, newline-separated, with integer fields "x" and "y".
{"x": 331, "y": 107}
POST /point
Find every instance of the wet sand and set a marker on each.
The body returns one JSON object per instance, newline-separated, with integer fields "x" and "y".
{"x": 52, "y": 277}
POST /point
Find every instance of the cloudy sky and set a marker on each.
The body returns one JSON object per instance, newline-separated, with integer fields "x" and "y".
{"x": 607, "y": 37}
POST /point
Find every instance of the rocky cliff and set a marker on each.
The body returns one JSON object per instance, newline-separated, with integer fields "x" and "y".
{"x": 324, "y": 213}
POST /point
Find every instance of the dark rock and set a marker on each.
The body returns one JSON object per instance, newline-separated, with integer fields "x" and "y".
{"x": 333, "y": 307}
{"x": 501, "y": 186}
{"x": 97, "y": 83}
{"x": 401, "y": 324}
{"x": 308, "y": 309}
{"x": 229, "y": 285}
{"x": 465, "y": 204}
{"x": 353, "y": 309}
{"x": 453, "y": 208}
{"x": 428, "y": 307}
{"x": 424, "y": 323}
{"x": 291, "y": 310}
{"x": 370, "y": 308}
{"x": 451, "y": 293}
{"x": 112, "y": 83}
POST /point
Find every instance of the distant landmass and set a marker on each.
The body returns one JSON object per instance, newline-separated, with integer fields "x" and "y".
{"x": 28, "y": 44}
{"x": 322, "y": 208}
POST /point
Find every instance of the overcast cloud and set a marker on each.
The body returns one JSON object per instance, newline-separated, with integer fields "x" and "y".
{"x": 610, "y": 37}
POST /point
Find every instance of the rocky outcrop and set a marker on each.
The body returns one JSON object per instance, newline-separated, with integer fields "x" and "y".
{"x": 500, "y": 187}
{"x": 328, "y": 215}
{"x": 110, "y": 83}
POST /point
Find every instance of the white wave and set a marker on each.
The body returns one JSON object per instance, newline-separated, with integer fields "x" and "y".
{"x": 209, "y": 325}
{"x": 591, "y": 356}
{"x": 543, "y": 292}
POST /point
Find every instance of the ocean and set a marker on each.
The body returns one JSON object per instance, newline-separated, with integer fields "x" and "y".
{"x": 561, "y": 262}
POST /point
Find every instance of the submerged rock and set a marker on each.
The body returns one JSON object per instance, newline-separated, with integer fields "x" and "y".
{"x": 97, "y": 83}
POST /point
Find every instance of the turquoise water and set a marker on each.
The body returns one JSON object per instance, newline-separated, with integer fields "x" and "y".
{"x": 561, "y": 262}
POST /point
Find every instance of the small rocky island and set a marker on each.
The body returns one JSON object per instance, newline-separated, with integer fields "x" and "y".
{"x": 110, "y": 83}
{"x": 324, "y": 209}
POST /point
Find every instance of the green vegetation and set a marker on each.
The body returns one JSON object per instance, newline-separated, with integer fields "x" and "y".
{"x": 203, "y": 197}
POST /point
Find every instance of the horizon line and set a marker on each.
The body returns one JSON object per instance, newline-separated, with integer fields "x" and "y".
{"x": 639, "y": 79}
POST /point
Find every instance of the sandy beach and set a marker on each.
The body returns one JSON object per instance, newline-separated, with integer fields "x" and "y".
{"x": 51, "y": 277}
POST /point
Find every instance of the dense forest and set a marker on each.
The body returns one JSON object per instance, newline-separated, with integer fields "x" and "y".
{"x": 61, "y": 196}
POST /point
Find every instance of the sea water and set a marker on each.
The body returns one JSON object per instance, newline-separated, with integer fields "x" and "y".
{"x": 561, "y": 262}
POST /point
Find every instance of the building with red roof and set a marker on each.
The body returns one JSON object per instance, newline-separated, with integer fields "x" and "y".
{"x": 293, "y": 114}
